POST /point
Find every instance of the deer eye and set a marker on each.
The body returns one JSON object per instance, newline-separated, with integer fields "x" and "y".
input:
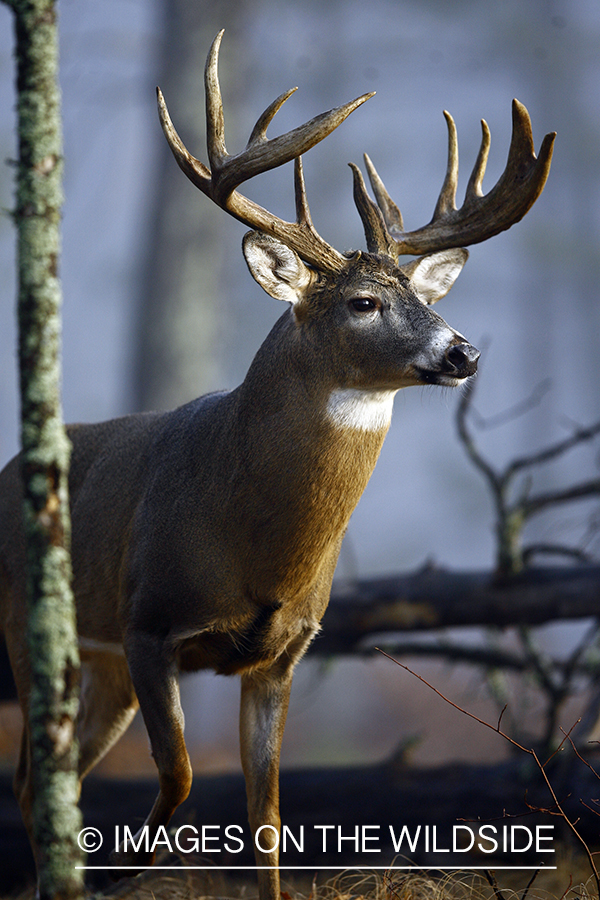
{"x": 363, "y": 304}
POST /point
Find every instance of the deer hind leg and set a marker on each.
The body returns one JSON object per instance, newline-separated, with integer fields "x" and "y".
{"x": 23, "y": 790}
{"x": 22, "y": 782}
{"x": 154, "y": 675}
{"x": 108, "y": 703}
{"x": 107, "y": 706}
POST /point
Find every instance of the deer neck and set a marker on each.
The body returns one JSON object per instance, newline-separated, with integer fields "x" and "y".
{"x": 295, "y": 405}
{"x": 307, "y": 446}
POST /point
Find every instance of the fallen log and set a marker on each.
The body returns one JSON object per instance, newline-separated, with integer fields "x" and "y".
{"x": 434, "y": 598}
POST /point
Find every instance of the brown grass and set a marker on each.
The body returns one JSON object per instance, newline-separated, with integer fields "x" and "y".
{"x": 570, "y": 881}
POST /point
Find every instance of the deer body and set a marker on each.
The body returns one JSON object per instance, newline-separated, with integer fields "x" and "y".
{"x": 207, "y": 537}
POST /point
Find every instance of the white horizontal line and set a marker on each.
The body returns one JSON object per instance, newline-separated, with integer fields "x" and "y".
{"x": 365, "y": 868}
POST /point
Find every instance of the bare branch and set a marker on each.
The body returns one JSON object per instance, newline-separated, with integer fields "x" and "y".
{"x": 513, "y": 513}
{"x": 514, "y": 412}
{"x": 464, "y": 407}
{"x": 491, "y": 879}
{"x": 533, "y": 550}
{"x": 530, "y": 883}
{"x": 530, "y": 751}
{"x": 535, "y": 505}
{"x": 437, "y": 598}
{"x": 556, "y": 450}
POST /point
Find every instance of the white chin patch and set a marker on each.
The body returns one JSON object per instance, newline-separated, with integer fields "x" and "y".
{"x": 362, "y": 410}
{"x": 449, "y": 381}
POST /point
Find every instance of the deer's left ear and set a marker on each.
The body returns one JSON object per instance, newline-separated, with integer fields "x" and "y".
{"x": 432, "y": 276}
{"x": 278, "y": 270}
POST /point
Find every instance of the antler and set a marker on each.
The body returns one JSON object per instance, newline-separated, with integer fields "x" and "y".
{"x": 261, "y": 154}
{"x": 480, "y": 217}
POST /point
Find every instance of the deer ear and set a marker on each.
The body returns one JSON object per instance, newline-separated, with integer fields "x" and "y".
{"x": 278, "y": 269}
{"x": 432, "y": 276}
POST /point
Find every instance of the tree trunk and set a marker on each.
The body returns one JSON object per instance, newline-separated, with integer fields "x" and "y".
{"x": 45, "y": 453}
{"x": 180, "y": 312}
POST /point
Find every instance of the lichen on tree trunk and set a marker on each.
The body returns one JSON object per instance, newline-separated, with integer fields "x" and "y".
{"x": 45, "y": 452}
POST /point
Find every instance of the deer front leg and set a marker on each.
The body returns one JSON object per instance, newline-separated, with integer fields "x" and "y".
{"x": 263, "y": 711}
{"x": 154, "y": 675}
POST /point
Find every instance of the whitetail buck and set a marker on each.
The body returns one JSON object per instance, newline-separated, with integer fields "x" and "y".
{"x": 207, "y": 537}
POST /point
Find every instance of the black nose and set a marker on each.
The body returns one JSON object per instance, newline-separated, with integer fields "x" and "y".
{"x": 461, "y": 360}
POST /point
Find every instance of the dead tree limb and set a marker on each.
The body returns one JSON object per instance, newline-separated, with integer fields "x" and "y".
{"x": 436, "y": 598}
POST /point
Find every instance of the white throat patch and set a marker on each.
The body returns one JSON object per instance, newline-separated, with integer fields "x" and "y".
{"x": 362, "y": 410}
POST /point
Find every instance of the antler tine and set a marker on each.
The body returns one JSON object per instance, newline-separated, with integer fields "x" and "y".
{"x": 483, "y": 216}
{"x": 302, "y": 210}
{"x": 376, "y": 234}
{"x": 521, "y": 156}
{"x": 259, "y": 132}
{"x": 215, "y": 120}
{"x": 217, "y": 151}
{"x": 447, "y": 200}
{"x": 192, "y": 167}
{"x": 391, "y": 213}
{"x": 474, "y": 184}
{"x": 261, "y": 154}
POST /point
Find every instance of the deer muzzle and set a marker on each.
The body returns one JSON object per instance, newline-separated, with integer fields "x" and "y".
{"x": 460, "y": 360}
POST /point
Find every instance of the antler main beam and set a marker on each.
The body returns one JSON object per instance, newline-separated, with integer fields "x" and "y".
{"x": 480, "y": 217}
{"x": 227, "y": 172}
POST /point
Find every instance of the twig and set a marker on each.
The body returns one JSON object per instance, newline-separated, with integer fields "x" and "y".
{"x": 567, "y": 889}
{"x": 486, "y": 657}
{"x": 478, "y": 460}
{"x": 579, "y": 756}
{"x": 567, "y": 737}
{"x": 553, "y": 452}
{"x": 491, "y": 878}
{"x": 528, "y": 750}
{"x": 529, "y": 883}
{"x": 504, "y": 708}
{"x": 514, "y": 412}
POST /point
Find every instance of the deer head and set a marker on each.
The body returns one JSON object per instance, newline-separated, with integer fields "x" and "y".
{"x": 292, "y": 262}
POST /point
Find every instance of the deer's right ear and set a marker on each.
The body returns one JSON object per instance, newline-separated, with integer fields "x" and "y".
{"x": 278, "y": 269}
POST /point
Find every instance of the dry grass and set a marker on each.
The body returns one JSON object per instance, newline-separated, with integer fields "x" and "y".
{"x": 363, "y": 886}
{"x": 570, "y": 881}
